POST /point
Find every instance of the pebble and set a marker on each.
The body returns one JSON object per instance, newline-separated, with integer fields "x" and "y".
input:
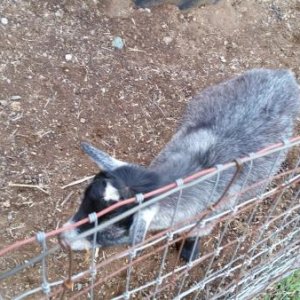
{"x": 147, "y": 10}
{"x": 59, "y": 13}
{"x": 118, "y": 43}
{"x": 6, "y": 204}
{"x": 68, "y": 57}
{"x": 16, "y": 106}
{"x": 16, "y": 97}
{"x": 4, "y": 21}
{"x": 167, "y": 40}
{"x": 10, "y": 216}
{"x": 82, "y": 120}
{"x": 222, "y": 58}
{"x": 3, "y": 102}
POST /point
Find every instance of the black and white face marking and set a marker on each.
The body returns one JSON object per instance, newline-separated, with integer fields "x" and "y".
{"x": 117, "y": 181}
{"x": 100, "y": 194}
{"x": 111, "y": 193}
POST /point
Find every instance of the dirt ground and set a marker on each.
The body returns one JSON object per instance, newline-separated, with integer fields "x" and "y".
{"x": 62, "y": 82}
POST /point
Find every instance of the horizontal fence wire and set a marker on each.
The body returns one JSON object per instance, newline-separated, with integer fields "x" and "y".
{"x": 248, "y": 245}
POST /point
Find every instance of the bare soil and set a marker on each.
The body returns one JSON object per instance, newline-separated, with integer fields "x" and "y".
{"x": 62, "y": 82}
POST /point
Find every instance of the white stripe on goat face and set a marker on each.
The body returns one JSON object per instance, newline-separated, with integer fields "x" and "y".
{"x": 111, "y": 193}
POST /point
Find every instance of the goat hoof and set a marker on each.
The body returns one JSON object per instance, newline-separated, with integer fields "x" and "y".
{"x": 187, "y": 252}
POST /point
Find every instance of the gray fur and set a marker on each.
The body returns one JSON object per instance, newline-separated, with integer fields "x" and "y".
{"x": 102, "y": 159}
{"x": 224, "y": 122}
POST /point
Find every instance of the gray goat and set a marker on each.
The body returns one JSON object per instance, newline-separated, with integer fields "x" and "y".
{"x": 224, "y": 122}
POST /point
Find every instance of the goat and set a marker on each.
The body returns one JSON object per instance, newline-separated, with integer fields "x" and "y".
{"x": 224, "y": 122}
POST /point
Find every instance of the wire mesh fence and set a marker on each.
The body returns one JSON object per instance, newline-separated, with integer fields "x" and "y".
{"x": 252, "y": 245}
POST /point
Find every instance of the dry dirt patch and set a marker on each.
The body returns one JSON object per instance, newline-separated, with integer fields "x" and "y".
{"x": 127, "y": 102}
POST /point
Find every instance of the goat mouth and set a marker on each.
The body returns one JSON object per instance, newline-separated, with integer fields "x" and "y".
{"x": 76, "y": 244}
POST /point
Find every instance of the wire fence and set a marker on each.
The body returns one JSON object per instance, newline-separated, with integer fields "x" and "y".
{"x": 253, "y": 245}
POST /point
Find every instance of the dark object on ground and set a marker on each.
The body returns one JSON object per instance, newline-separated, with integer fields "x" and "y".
{"x": 182, "y": 4}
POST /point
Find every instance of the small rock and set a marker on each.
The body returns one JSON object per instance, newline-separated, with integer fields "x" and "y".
{"x": 16, "y": 106}
{"x": 118, "y": 43}
{"x": 82, "y": 120}
{"x": 59, "y": 13}
{"x": 6, "y": 204}
{"x": 10, "y": 216}
{"x": 167, "y": 40}
{"x": 68, "y": 57}
{"x": 147, "y": 10}
{"x": 3, "y": 102}
{"x": 4, "y": 21}
{"x": 222, "y": 58}
{"x": 15, "y": 97}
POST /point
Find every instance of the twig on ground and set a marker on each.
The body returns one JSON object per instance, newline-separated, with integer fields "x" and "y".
{"x": 135, "y": 50}
{"x": 67, "y": 198}
{"x": 77, "y": 181}
{"x": 31, "y": 186}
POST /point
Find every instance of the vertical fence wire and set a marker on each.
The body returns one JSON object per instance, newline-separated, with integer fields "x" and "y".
{"x": 240, "y": 240}
{"x": 272, "y": 169}
{"x": 218, "y": 248}
{"x": 185, "y": 276}
{"x": 295, "y": 198}
{"x": 132, "y": 253}
{"x": 93, "y": 270}
{"x": 179, "y": 183}
{"x": 41, "y": 238}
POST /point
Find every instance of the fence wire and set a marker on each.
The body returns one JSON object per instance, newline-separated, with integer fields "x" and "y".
{"x": 253, "y": 245}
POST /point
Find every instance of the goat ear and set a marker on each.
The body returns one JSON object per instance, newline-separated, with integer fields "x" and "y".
{"x": 102, "y": 159}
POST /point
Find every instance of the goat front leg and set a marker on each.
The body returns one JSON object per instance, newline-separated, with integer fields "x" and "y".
{"x": 141, "y": 223}
{"x": 191, "y": 249}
